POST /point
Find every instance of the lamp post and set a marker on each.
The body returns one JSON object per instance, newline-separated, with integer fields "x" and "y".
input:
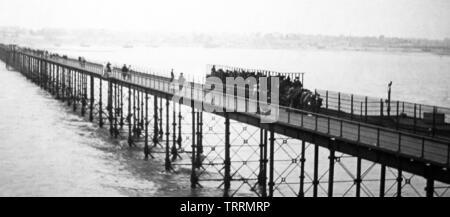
{"x": 389, "y": 99}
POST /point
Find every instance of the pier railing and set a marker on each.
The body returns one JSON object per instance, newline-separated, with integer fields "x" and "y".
{"x": 371, "y": 106}
{"x": 417, "y": 117}
{"x": 405, "y": 144}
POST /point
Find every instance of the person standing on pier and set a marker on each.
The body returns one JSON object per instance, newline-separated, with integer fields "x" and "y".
{"x": 181, "y": 81}
{"x": 129, "y": 72}
{"x": 124, "y": 71}
{"x": 172, "y": 83}
{"x": 108, "y": 70}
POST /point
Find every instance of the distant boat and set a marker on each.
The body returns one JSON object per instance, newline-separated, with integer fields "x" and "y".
{"x": 85, "y": 45}
{"x": 128, "y": 46}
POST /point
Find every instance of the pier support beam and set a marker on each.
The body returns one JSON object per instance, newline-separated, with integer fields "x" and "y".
{"x": 194, "y": 178}
{"x": 227, "y": 162}
{"x": 316, "y": 170}
{"x": 168, "y": 165}
{"x": 134, "y": 115}
{"x": 332, "y": 159}
{"x": 110, "y": 108}
{"x": 121, "y": 123}
{"x": 116, "y": 110}
{"x": 174, "y": 150}
{"x": 75, "y": 89}
{"x": 142, "y": 117}
{"x": 271, "y": 160}
{"x": 58, "y": 85}
{"x": 155, "y": 121}
{"x": 301, "y": 192}
{"x": 92, "y": 99}
{"x": 262, "y": 178}
{"x": 129, "y": 118}
{"x": 382, "y": 180}
{"x": 70, "y": 86}
{"x": 146, "y": 148}
{"x": 100, "y": 105}
{"x": 399, "y": 182}
{"x": 63, "y": 84}
{"x": 199, "y": 140}
{"x": 180, "y": 139}
{"x": 83, "y": 94}
{"x": 430, "y": 188}
{"x": 358, "y": 177}
{"x": 161, "y": 132}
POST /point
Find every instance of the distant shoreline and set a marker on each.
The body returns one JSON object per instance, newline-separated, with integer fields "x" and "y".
{"x": 433, "y": 51}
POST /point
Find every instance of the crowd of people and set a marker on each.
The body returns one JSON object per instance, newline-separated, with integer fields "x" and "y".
{"x": 48, "y": 55}
{"x": 291, "y": 90}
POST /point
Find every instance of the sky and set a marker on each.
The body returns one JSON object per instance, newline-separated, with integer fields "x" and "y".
{"x": 394, "y": 18}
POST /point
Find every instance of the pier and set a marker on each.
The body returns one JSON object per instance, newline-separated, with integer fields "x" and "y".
{"x": 236, "y": 152}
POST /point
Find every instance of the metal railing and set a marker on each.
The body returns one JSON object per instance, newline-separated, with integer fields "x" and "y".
{"x": 418, "y": 147}
{"x": 371, "y": 106}
{"x": 416, "y": 117}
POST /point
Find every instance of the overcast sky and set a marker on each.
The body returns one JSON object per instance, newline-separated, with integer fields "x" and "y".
{"x": 400, "y": 18}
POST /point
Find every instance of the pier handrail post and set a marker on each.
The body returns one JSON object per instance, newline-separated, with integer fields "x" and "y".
{"x": 397, "y": 124}
{"x": 365, "y": 112}
{"x": 389, "y": 100}
{"x": 381, "y": 111}
{"x": 91, "y": 106}
{"x": 351, "y": 107}
{"x": 361, "y": 112}
{"x": 415, "y": 118}
{"x": 339, "y": 104}
{"x": 433, "y": 130}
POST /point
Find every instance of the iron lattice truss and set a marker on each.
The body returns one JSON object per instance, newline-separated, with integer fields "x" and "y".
{"x": 239, "y": 159}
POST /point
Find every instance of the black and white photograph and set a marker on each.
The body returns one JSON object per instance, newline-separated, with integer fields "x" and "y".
{"x": 225, "y": 98}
